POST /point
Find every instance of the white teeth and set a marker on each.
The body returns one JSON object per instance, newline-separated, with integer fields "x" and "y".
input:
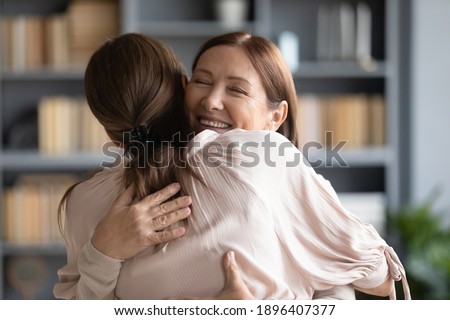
{"x": 214, "y": 124}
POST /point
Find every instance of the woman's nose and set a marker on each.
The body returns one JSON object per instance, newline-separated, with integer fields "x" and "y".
{"x": 213, "y": 100}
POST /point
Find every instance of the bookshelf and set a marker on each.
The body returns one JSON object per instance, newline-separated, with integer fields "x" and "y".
{"x": 372, "y": 169}
{"x": 44, "y": 48}
{"x": 324, "y": 70}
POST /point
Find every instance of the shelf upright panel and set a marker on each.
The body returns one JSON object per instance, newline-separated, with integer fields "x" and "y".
{"x": 392, "y": 12}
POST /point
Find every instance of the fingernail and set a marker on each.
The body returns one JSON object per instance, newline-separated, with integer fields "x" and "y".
{"x": 176, "y": 186}
{"x": 231, "y": 255}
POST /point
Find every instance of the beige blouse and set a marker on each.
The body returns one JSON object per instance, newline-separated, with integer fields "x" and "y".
{"x": 290, "y": 233}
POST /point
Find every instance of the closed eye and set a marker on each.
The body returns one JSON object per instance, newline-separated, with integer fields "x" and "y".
{"x": 237, "y": 90}
{"x": 202, "y": 82}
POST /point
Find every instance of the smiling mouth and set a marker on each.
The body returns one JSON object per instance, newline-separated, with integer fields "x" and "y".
{"x": 214, "y": 124}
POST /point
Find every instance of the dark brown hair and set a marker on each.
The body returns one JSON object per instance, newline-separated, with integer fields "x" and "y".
{"x": 275, "y": 74}
{"x": 135, "y": 81}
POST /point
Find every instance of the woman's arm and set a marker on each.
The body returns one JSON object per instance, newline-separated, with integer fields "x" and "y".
{"x": 127, "y": 228}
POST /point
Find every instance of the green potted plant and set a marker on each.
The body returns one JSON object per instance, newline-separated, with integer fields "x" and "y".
{"x": 426, "y": 242}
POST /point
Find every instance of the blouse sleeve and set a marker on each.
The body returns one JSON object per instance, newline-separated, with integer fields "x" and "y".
{"x": 351, "y": 250}
{"x": 88, "y": 273}
{"x": 98, "y": 274}
{"x": 93, "y": 277}
{"x": 329, "y": 245}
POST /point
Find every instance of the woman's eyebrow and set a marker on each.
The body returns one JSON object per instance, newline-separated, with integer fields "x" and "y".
{"x": 203, "y": 71}
{"x": 239, "y": 79}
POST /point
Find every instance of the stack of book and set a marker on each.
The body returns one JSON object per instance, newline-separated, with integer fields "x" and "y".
{"x": 66, "y": 125}
{"x": 31, "y": 206}
{"x": 344, "y": 32}
{"x": 61, "y": 40}
{"x": 356, "y": 119}
{"x": 91, "y": 23}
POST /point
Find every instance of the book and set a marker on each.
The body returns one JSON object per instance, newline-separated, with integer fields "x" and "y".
{"x": 57, "y": 44}
{"x": 334, "y": 48}
{"x": 34, "y": 42}
{"x": 45, "y": 121}
{"x": 323, "y": 32}
{"x": 91, "y": 22}
{"x": 32, "y": 222}
{"x": 6, "y": 25}
{"x": 8, "y": 230}
{"x": 364, "y": 36}
{"x": 377, "y": 123}
{"x": 31, "y": 208}
{"x": 358, "y": 120}
{"x": 309, "y": 119}
{"x": 18, "y": 45}
{"x": 347, "y": 31}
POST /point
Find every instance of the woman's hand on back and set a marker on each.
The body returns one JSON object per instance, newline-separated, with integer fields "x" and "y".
{"x": 235, "y": 287}
{"x": 128, "y": 228}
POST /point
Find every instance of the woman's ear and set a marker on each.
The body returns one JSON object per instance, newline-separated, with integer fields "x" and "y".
{"x": 278, "y": 115}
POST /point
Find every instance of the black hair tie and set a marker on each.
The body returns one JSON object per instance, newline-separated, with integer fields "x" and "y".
{"x": 140, "y": 134}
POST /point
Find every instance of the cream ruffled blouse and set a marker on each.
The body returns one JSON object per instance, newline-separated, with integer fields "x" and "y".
{"x": 290, "y": 233}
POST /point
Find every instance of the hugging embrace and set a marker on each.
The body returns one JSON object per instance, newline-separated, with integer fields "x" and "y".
{"x": 157, "y": 225}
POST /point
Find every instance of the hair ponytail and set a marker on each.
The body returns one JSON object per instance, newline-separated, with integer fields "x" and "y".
{"x": 132, "y": 81}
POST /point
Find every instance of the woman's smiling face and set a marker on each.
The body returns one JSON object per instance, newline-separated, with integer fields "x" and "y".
{"x": 225, "y": 92}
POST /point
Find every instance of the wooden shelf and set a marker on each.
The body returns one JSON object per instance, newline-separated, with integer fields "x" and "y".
{"x": 42, "y": 75}
{"x": 32, "y": 160}
{"x": 370, "y": 156}
{"x": 339, "y": 69}
{"x": 44, "y": 249}
{"x": 189, "y": 28}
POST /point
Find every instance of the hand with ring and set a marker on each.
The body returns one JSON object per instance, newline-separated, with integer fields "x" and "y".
{"x": 128, "y": 228}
